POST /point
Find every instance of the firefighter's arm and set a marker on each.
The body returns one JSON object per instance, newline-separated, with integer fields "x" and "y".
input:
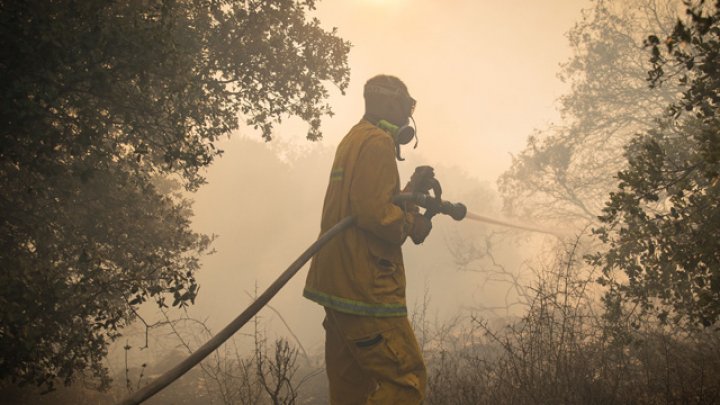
{"x": 374, "y": 184}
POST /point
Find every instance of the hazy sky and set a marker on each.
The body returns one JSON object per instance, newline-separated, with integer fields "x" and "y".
{"x": 484, "y": 75}
{"x": 483, "y": 72}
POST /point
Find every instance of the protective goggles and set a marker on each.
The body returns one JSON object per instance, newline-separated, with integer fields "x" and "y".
{"x": 410, "y": 104}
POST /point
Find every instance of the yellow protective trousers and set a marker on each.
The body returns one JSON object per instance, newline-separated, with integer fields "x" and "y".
{"x": 371, "y": 360}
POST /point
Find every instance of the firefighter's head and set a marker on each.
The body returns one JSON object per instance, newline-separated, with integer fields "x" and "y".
{"x": 387, "y": 98}
{"x": 388, "y": 105}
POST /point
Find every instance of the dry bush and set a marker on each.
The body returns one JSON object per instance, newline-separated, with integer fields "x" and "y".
{"x": 564, "y": 351}
{"x": 265, "y": 375}
{"x": 246, "y": 370}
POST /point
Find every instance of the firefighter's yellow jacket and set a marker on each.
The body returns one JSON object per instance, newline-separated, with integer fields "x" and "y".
{"x": 361, "y": 270}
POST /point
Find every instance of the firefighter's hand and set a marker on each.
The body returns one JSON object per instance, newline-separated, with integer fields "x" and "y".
{"x": 421, "y": 229}
{"x": 421, "y": 181}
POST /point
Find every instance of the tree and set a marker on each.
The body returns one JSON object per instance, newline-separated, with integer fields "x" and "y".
{"x": 662, "y": 224}
{"x": 567, "y": 169}
{"x": 103, "y": 105}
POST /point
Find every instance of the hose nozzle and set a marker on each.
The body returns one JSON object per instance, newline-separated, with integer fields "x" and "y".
{"x": 432, "y": 205}
{"x": 456, "y": 211}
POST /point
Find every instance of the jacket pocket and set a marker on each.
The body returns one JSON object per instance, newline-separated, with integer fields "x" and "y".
{"x": 387, "y": 270}
{"x": 384, "y": 255}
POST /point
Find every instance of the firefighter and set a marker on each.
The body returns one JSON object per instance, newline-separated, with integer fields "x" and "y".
{"x": 371, "y": 353}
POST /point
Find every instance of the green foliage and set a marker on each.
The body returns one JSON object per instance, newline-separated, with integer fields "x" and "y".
{"x": 663, "y": 224}
{"x": 102, "y": 103}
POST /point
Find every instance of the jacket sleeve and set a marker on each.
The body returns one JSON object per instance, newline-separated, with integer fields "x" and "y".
{"x": 374, "y": 183}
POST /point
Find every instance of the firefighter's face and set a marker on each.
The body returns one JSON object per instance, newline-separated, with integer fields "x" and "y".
{"x": 399, "y": 110}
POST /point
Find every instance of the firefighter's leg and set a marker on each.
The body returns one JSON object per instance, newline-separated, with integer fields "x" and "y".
{"x": 348, "y": 383}
{"x": 387, "y": 354}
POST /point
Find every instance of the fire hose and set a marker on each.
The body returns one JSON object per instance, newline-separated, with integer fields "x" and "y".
{"x": 432, "y": 204}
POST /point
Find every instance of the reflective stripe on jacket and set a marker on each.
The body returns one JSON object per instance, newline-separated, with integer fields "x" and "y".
{"x": 361, "y": 270}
